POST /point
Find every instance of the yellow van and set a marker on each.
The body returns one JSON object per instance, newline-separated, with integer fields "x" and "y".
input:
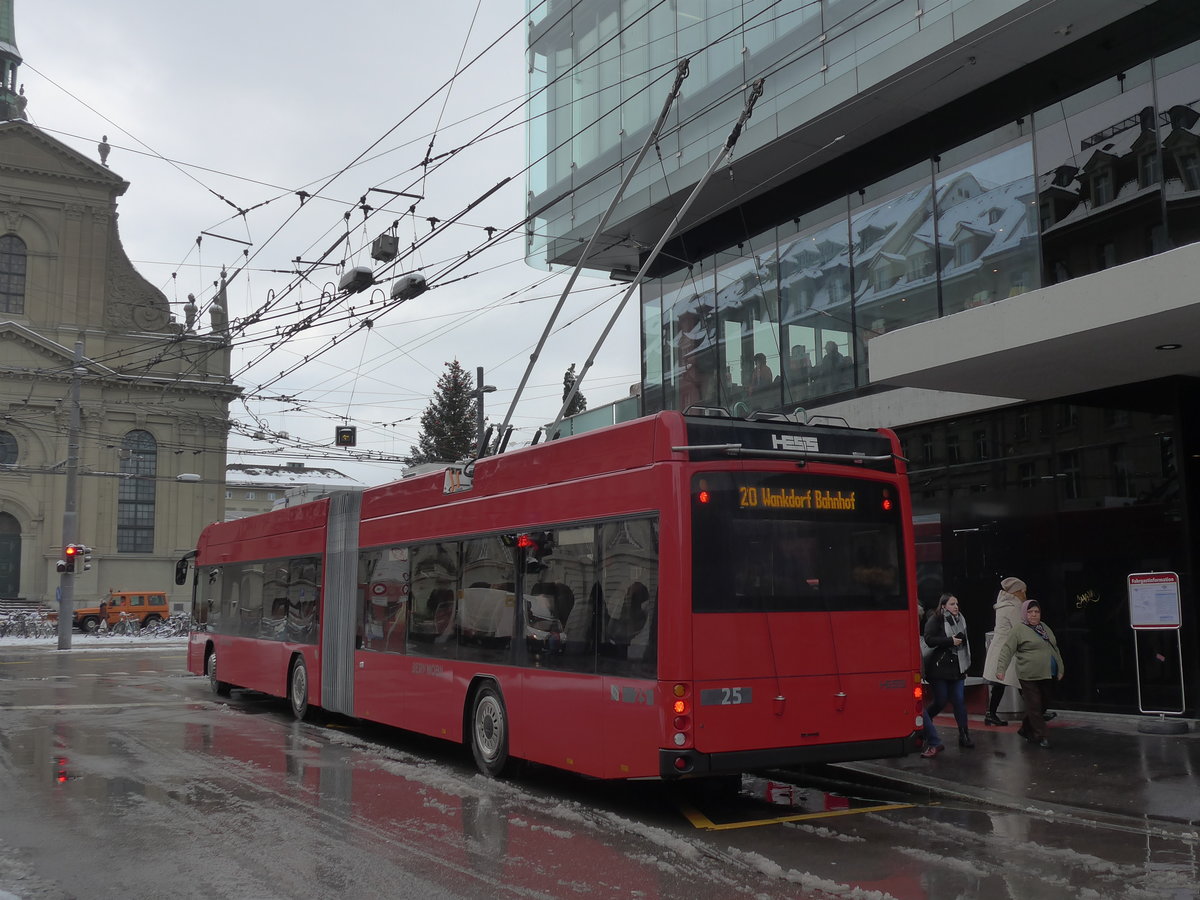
{"x": 143, "y": 607}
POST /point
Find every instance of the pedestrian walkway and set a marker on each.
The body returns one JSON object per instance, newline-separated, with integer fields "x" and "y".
{"x": 1099, "y": 768}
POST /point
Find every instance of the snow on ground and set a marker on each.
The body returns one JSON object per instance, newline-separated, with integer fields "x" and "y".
{"x": 93, "y": 642}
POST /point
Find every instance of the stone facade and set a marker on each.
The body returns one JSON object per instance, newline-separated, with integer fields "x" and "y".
{"x": 154, "y": 396}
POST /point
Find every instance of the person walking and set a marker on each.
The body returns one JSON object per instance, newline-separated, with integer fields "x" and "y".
{"x": 1039, "y": 665}
{"x": 947, "y": 664}
{"x": 1008, "y": 616}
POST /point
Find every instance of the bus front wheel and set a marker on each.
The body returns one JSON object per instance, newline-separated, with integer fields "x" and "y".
{"x": 489, "y": 732}
{"x": 298, "y": 689}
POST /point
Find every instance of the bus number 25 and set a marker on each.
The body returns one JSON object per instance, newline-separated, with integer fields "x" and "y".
{"x": 726, "y": 696}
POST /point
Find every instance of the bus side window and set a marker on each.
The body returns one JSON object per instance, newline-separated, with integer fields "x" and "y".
{"x": 630, "y": 619}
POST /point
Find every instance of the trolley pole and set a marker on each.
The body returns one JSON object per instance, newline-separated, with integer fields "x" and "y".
{"x": 70, "y": 528}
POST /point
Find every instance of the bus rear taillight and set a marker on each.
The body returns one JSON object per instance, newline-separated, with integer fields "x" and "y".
{"x": 682, "y": 721}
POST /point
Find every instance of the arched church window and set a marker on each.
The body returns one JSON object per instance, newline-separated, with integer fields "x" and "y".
{"x": 135, "y": 496}
{"x": 8, "y": 449}
{"x": 12, "y": 274}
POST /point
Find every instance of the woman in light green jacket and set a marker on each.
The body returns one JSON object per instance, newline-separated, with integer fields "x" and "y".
{"x": 1039, "y": 665}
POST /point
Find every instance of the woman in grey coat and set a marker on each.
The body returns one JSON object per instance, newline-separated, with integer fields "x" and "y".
{"x": 1008, "y": 616}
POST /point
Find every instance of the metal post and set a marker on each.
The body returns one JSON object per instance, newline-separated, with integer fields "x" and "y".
{"x": 70, "y": 527}
{"x": 480, "y": 390}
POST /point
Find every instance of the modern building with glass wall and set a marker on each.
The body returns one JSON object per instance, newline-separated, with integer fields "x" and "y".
{"x": 973, "y": 221}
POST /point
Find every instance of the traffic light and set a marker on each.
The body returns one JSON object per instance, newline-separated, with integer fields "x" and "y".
{"x": 346, "y": 436}
{"x": 87, "y": 557}
{"x": 69, "y": 553}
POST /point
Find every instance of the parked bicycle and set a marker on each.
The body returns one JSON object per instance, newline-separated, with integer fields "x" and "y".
{"x": 27, "y": 625}
{"x": 128, "y": 625}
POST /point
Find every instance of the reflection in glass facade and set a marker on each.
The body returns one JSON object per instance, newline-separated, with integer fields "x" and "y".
{"x": 949, "y": 234}
{"x": 1096, "y": 180}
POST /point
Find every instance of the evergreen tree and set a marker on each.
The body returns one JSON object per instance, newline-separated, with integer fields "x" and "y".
{"x": 448, "y": 429}
{"x": 578, "y": 402}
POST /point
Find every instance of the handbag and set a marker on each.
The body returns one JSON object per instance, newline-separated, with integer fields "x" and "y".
{"x": 926, "y": 649}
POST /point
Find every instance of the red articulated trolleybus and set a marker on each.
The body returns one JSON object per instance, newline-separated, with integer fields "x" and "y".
{"x": 675, "y": 596}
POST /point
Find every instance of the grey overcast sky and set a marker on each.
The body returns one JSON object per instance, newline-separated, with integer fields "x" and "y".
{"x": 221, "y": 106}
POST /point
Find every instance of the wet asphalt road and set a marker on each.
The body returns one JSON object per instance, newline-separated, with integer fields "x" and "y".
{"x": 122, "y": 776}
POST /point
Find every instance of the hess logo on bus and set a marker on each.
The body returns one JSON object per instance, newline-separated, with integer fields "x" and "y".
{"x": 794, "y": 442}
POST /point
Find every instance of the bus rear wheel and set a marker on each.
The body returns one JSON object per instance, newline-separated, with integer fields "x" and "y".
{"x": 220, "y": 688}
{"x": 489, "y": 732}
{"x": 298, "y": 690}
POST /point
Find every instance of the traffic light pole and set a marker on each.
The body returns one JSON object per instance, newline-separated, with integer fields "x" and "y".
{"x": 70, "y": 528}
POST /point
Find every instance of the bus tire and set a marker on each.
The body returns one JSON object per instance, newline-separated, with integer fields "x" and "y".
{"x": 220, "y": 688}
{"x": 489, "y": 731}
{"x": 298, "y": 690}
{"x": 151, "y": 619}
{"x": 89, "y": 624}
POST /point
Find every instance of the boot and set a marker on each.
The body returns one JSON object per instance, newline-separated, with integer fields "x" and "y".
{"x": 964, "y": 739}
{"x": 990, "y": 718}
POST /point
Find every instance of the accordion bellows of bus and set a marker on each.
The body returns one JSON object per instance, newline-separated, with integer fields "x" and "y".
{"x": 672, "y": 597}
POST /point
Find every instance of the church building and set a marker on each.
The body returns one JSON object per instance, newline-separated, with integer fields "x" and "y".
{"x": 113, "y": 416}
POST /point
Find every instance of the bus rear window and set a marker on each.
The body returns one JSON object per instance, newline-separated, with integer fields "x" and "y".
{"x": 793, "y": 542}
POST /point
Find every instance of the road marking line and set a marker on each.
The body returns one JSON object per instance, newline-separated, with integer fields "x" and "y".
{"x": 699, "y": 820}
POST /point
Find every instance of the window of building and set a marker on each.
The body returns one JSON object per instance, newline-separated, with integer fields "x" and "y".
{"x": 1102, "y": 188}
{"x": 8, "y": 449}
{"x": 1148, "y": 169}
{"x": 229, "y": 495}
{"x": 12, "y": 274}
{"x": 1066, "y": 416}
{"x": 1116, "y": 418}
{"x": 271, "y": 495}
{"x": 1027, "y": 474}
{"x": 1068, "y": 474}
{"x": 920, "y": 265}
{"x": 927, "y": 448}
{"x": 1189, "y": 168}
{"x": 952, "y": 453}
{"x": 981, "y": 445}
{"x": 1022, "y": 426}
{"x": 249, "y": 495}
{"x": 135, "y": 496}
{"x": 1106, "y": 256}
{"x": 1122, "y": 470}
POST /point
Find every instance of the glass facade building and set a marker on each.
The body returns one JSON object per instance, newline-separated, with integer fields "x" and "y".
{"x": 1081, "y": 156}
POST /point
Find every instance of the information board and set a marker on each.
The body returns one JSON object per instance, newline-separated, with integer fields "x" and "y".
{"x": 1154, "y": 600}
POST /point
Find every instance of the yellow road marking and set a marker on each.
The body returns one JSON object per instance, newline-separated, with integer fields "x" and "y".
{"x": 699, "y": 820}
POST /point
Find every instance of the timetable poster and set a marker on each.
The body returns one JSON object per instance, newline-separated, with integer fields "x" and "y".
{"x": 1154, "y": 600}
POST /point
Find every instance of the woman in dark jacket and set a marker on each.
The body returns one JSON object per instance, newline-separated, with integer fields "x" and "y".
{"x": 946, "y": 665}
